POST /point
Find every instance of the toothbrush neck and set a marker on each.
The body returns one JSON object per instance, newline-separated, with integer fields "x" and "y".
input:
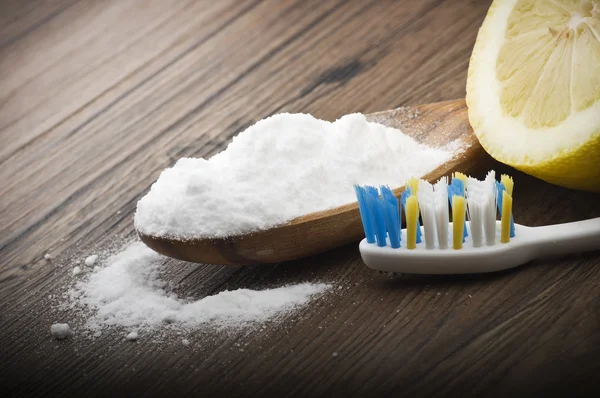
{"x": 573, "y": 237}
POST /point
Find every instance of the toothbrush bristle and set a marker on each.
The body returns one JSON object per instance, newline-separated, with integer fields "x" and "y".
{"x": 479, "y": 200}
{"x": 460, "y": 176}
{"x": 508, "y": 183}
{"x": 489, "y": 211}
{"x": 506, "y": 215}
{"x": 413, "y": 183}
{"x": 378, "y": 215}
{"x": 475, "y": 208}
{"x": 426, "y": 206}
{"x": 442, "y": 216}
{"x": 365, "y": 213}
{"x": 458, "y": 188}
{"x": 499, "y": 189}
{"x": 411, "y": 188}
{"x": 392, "y": 216}
{"x": 458, "y": 221}
{"x": 412, "y": 216}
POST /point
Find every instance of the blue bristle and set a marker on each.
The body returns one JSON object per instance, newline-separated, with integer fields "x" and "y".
{"x": 460, "y": 186}
{"x": 500, "y": 187}
{"x": 387, "y": 192}
{"x": 512, "y": 226}
{"x": 375, "y": 204}
{"x": 392, "y": 217}
{"x": 407, "y": 192}
{"x": 365, "y": 213}
{"x": 395, "y": 238}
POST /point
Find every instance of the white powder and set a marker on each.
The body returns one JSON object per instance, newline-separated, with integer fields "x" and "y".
{"x": 90, "y": 260}
{"x": 128, "y": 292}
{"x": 47, "y": 257}
{"x": 60, "y": 330}
{"x": 280, "y": 168}
{"x": 76, "y": 271}
{"x": 132, "y": 336}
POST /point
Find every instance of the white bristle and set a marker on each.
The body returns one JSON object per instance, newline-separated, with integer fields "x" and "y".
{"x": 426, "y": 206}
{"x": 474, "y": 205}
{"x": 488, "y": 202}
{"x": 442, "y": 216}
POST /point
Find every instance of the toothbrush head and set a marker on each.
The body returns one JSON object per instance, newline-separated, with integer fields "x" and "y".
{"x": 467, "y": 260}
{"x": 388, "y": 248}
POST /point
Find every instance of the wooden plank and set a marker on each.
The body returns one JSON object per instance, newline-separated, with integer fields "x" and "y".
{"x": 20, "y": 18}
{"x": 97, "y": 97}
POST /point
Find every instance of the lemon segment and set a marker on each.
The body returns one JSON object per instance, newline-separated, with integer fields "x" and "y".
{"x": 586, "y": 68}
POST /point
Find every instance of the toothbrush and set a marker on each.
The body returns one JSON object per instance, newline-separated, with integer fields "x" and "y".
{"x": 490, "y": 244}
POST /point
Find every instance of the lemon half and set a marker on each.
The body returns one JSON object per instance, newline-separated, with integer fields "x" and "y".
{"x": 533, "y": 89}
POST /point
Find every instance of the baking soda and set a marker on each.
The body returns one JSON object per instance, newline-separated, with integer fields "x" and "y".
{"x": 128, "y": 292}
{"x": 60, "y": 331}
{"x": 91, "y": 260}
{"x": 278, "y": 169}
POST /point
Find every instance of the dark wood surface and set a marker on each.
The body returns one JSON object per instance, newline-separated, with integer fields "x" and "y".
{"x": 97, "y": 97}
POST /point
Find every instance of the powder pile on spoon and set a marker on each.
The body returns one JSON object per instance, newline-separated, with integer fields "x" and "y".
{"x": 282, "y": 167}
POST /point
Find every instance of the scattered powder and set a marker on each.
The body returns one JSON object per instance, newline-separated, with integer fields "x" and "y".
{"x": 90, "y": 260}
{"x": 278, "y": 169}
{"x": 76, "y": 271}
{"x": 60, "y": 331}
{"x": 128, "y": 292}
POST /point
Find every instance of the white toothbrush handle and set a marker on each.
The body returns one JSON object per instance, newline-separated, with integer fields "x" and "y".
{"x": 567, "y": 238}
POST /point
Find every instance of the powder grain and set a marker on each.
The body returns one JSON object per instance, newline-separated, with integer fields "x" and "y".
{"x": 280, "y": 168}
{"x": 128, "y": 292}
{"x": 60, "y": 331}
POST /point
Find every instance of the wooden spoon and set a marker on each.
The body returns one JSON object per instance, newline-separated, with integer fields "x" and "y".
{"x": 433, "y": 124}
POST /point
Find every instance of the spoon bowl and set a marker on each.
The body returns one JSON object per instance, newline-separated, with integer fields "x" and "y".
{"x": 437, "y": 125}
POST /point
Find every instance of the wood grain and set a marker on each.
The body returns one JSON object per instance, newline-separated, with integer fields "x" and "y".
{"x": 97, "y": 97}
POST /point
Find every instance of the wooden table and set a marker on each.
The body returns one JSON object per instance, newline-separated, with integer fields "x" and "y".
{"x": 97, "y": 97}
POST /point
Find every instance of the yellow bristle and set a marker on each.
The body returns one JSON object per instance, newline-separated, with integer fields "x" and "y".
{"x": 413, "y": 183}
{"x": 460, "y": 176}
{"x": 458, "y": 221}
{"x": 505, "y": 220}
{"x": 412, "y": 215}
{"x": 508, "y": 183}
